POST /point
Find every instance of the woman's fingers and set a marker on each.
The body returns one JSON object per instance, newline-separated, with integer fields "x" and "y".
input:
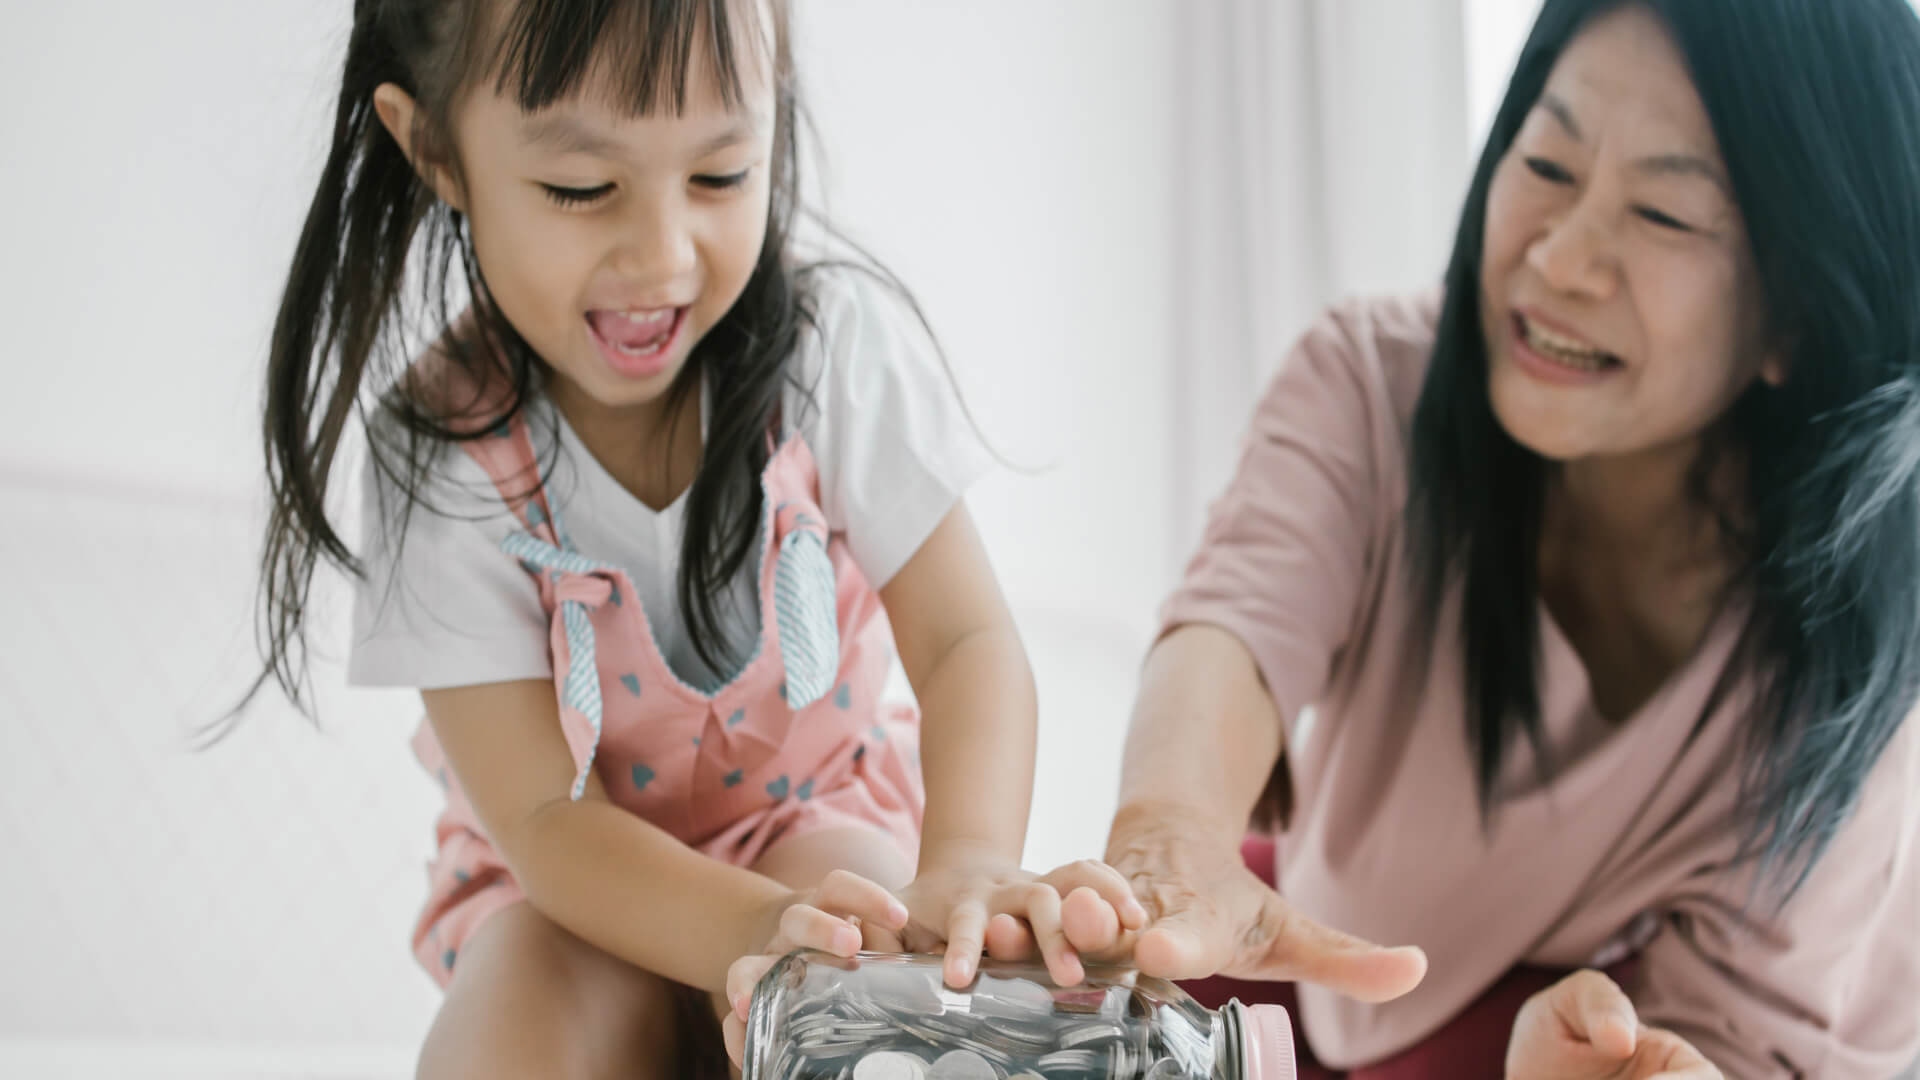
{"x": 1249, "y": 931}
{"x": 1677, "y": 1058}
{"x": 1300, "y": 949}
{"x": 1596, "y": 1010}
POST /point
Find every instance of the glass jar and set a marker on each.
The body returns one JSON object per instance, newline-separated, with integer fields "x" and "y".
{"x": 883, "y": 1016}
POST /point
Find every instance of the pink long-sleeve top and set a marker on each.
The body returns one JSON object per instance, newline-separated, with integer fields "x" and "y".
{"x": 1627, "y": 848}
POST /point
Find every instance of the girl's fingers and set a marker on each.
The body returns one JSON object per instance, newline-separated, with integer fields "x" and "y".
{"x": 735, "y": 1032}
{"x": 742, "y": 977}
{"x": 1105, "y": 882}
{"x": 1041, "y": 906}
{"x": 845, "y": 893}
{"x": 1009, "y": 939}
{"x": 803, "y": 926}
{"x": 1089, "y": 921}
{"x": 966, "y": 937}
{"x": 876, "y": 938}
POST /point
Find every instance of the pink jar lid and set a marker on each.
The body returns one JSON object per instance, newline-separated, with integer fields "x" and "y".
{"x": 1266, "y": 1037}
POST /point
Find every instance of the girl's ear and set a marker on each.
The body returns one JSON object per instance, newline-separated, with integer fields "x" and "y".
{"x": 398, "y": 111}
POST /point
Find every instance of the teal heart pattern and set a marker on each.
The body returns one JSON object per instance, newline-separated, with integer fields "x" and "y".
{"x": 805, "y": 792}
{"x": 843, "y": 697}
{"x": 642, "y": 776}
{"x": 632, "y": 683}
{"x": 733, "y": 778}
{"x": 778, "y": 789}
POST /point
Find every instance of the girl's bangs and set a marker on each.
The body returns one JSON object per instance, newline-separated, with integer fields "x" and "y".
{"x": 642, "y": 53}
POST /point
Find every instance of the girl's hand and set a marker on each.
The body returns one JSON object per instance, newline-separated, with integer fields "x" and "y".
{"x": 833, "y": 917}
{"x": 1211, "y": 915}
{"x": 1584, "y": 1028}
{"x": 970, "y": 901}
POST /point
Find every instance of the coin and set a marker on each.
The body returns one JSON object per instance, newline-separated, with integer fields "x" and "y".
{"x": 890, "y": 1065}
{"x": 962, "y": 1065}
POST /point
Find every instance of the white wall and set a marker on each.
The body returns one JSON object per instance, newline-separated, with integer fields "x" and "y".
{"x": 1003, "y": 157}
{"x": 1496, "y": 29}
{"x": 1010, "y": 161}
{"x": 219, "y": 911}
{"x": 1016, "y": 161}
{"x": 157, "y": 162}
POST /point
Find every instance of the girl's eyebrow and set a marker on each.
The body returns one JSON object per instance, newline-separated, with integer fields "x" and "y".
{"x": 562, "y": 133}
{"x": 565, "y": 134}
{"x": 746, "y": 130}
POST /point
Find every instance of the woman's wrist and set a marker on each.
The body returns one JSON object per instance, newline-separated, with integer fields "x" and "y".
{"x": 1201, "y": 826}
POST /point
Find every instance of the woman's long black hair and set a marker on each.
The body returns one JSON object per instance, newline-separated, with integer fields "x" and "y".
{"x": 380, "y": 254}
{"x": 1816, "y": 107}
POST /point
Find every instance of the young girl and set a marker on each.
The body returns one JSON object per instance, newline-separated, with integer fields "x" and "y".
{"x": 638, "y": 526}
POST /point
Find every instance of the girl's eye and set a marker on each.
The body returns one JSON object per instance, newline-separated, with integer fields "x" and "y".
{"x": 573, "y": 196}
{"x": 721, "y": 183}
{"x": 1662, "y": 220}
{"x": 1548, "y": 171}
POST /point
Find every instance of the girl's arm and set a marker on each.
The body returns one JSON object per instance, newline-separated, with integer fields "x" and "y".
{"x": 608, "y": 876}
{"x": 969, "y": 671}
{"x": 962, "y": 654}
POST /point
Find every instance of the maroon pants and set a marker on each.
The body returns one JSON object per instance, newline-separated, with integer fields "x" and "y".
{"x": 1472, "y": 1045}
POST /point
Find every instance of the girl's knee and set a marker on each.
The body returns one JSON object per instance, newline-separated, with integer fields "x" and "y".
{"x": 530, "y": 999}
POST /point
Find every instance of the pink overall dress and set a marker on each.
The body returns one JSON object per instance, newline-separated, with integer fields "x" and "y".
{"x": 797, "y": 740}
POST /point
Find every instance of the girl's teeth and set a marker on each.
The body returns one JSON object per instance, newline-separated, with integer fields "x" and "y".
{"x": 1568, "y": 352}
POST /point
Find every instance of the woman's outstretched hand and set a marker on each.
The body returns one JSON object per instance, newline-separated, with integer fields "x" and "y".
{"x": 1209, "y": 914}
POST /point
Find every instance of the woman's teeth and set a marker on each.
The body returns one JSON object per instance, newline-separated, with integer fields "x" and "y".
{"x": 1565, "y": 350}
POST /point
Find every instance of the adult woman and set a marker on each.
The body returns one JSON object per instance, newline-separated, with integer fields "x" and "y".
{"x": 1601, "y": 574}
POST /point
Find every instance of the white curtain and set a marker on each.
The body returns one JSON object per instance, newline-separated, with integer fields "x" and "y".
{"x": 1325, "y": 152}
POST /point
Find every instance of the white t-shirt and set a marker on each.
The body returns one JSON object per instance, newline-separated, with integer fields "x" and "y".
{"x": 894, "y": 448}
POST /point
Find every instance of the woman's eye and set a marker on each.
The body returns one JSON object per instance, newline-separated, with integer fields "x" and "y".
{"x": 1664, "y": 221}
{"x": 721, "y": 183}
{"x": 574, "y": 196}
{"x": 1548, "y": 171}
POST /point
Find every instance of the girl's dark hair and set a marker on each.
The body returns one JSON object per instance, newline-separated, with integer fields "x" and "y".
{"x": 378, "y": 256}
{"x": 1816, "y": 107}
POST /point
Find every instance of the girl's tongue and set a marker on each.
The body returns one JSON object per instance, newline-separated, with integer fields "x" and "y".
{"x": 634, "y": 334}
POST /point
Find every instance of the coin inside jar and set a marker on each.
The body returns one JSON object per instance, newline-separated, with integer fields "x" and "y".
{"x": 890, "y": 1065}
{"x": 962, "y": 1065}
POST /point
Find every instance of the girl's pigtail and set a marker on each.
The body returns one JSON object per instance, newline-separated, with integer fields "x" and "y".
{"x": 347, "y": 274}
